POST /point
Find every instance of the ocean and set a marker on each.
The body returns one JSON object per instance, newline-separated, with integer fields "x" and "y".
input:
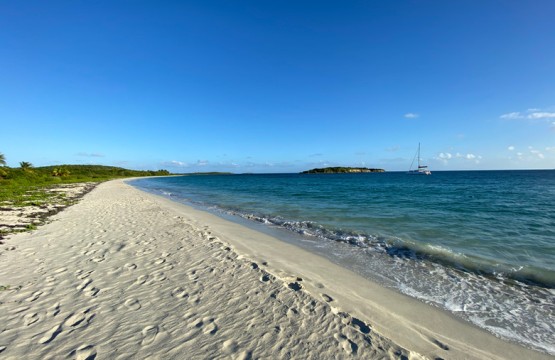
{"x": 480, "y": 244}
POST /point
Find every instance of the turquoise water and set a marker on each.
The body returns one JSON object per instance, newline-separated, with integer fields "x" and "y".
{"x": 480, "y": 244}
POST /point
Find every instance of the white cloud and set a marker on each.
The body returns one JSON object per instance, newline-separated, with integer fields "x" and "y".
{"x": 174, "y": 163}
{"x": 511, "y": 148}
{"x": 90, "y": 154}
{"x": 411, "y": 115}
{"x": 446, "y": 156}
{"x": 511, "y": 116}
{"x": 202, "y": 162}
{"x": 533, "y": 110}
{"x": 542, "y": 115}
{"x": 536, "y": 153}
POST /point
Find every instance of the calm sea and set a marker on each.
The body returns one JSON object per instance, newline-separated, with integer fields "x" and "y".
{"x": 480, "y": 244}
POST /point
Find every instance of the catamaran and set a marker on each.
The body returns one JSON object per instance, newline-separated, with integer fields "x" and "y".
{"x": 421, "y": 169}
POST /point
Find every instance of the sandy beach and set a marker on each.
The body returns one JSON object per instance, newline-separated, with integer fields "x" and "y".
{"x": 125, "y": 274}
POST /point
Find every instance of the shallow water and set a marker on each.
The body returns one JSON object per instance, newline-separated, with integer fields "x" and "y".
{"x": 479, "y": 244}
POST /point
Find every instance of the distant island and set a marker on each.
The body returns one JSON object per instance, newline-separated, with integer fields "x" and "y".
{"x": 342, "y": 170}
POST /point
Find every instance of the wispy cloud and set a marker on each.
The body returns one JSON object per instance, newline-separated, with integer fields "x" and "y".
{"x": 512, "y": 116}
{"x": 531, "y": 114}
{"x": 541, "y": 115}
{"x": 316, "y": 155}
{"x": 536, "y": 153}
{"x": 202, "y": 162}
{"x": 532, "y": 154}
{"x": 511, "y": 148}
{"x": 411, "y": 116}
{"x": 174, "y": 163}
{"x": 84, "y": 154}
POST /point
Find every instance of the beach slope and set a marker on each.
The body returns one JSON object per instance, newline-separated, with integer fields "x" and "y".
{"x": 125, "y": 274}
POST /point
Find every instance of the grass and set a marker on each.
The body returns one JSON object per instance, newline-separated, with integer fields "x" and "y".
{"x": 28, "y": 186}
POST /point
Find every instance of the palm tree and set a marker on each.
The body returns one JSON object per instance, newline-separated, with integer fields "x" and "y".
{"x": 25, "y": 165}
{"x": 2, "y": 160}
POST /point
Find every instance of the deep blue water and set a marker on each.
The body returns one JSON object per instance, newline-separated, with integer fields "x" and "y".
{"x": 478, "y": 243}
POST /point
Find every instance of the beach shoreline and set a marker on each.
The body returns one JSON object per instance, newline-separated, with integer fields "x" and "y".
{"x": 125, "y": 273}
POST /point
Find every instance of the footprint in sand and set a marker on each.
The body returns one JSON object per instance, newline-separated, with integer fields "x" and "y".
{"x": 130, "y": 266}
{"x": 60, "y": 270}
{"x": 179, "y": 292}
{"x": 133, "y": 304}
{"x": 83, "y": 274}
{"x": 159, "y": 261}
{"x": 91, "y": 292}
{"x": 229, "y": 346}
{"x": 295, "y": 286}
{"x": 34, "y": 296}
{"x": 326, "y": 297}
{"x": 85, "y": 352}
{"x": 149, "y": 335}
{"x": 360, "y": 325}
{"x": 50, "y": 334}
{"x": 159, "y": 276}
{"x": 139, "y": 281}
{"x": 75, "y": 319}
{"x": 349, "y": 346}
{"x": 30, "y": 319}
{"x": 53, "y": 310}
{"x": 211, "y": 328}
{"x": 84, "y": 284}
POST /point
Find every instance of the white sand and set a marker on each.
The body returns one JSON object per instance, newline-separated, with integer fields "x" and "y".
{"x": 128, "y": 275}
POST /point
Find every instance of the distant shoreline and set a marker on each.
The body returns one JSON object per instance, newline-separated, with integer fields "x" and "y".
{"x": 342, "y": 170}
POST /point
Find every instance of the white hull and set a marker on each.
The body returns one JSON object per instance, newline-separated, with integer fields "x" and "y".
{"x": 420, "y": 172}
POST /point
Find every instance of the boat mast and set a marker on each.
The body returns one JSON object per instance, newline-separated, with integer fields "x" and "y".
{"x": 419, "y": 155}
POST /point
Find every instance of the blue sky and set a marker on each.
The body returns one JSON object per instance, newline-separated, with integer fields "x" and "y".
{"x": 278, "y": 86}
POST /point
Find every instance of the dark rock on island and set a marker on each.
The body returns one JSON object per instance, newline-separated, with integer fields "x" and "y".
{"x": 342, "y": 170}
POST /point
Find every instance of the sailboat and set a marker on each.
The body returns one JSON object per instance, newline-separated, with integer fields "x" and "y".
{"x": 421, "y": 169}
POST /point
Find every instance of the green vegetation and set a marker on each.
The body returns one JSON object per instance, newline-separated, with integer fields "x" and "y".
{"x": 27, "y": 185}
{"x": 25, "y": 165}
{"x": 342, "y": 170}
